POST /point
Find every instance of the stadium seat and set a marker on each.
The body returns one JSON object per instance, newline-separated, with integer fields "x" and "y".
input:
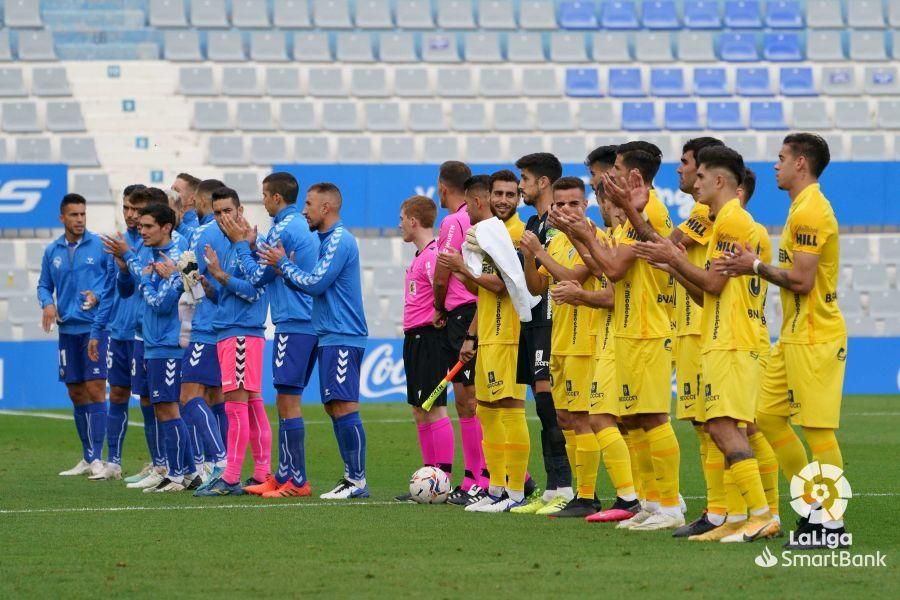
{"x": 245, "y": 183}
{"x": 64, "y": 117}
{"x": 738, "y": 47}
{"x": 781, "y": 14}
{"x": 710, "y": 82}
{"x": 554, "y": 116}
{"x": 525, "y": 47}
{"x": 855, "y": 250}
{"x": 540, "y": 82}
{"x": 577, "y": 15}
{"x": 895, "y": 43}
{"x": 455, "y": 83}
{"x": 311, "y": 47}
{"x": 566, "y": 47}
{"x": 254, "y": 116}
{"x": 331, "y": 14}
{"x": 283, "y": 82}
{"x": 397, "y": 48}
{"x": 226, "y": 151}
{"x": 742, "y": 14}
{"x": 383, "y": 116}
{"x": 440, "y": 149}
{"x": 3, "y": 158}
{"x": 22, "y": 309}
{"x": 398, "y": 150}
{"x": 22, "y": 13}
{"x": 78, "y": 152}
{"x": 411, "y": 82}
{"x": 839, "y": 81}
{"x": 865, "y": 14}
{"x": 482, "y": 47}
{"x": 268, "y": 150}
{"x": 455, "y": 14}
{"x": 724, "y": 116}
{"x": 167, "y": 13}
{"x": 12, "y": 84}
{"x": 767, "y": 115}
{"x": 888, "y": 251}
{"x": 583, "y": 83}
{"x": 209, "y": 14}
{"x": 5, "y": 51}
{"x": 526, "y": 144}
{"x": 889, "y": 115}
{"x": 811, "y": 115}
{"x": 7, "y": 254}
{"x": 797, "y": 81}
{"x": 369, "y": 83}
{"x": 50, "y": 81}
{"x": 468, "y": 116}
{"x": 618, "y": 15}
{"x": 340, "y": 116}
{"x": 853, "y": 114}
{"x": 537, "y": 14}
{"x": 747, "y": 145}
{"x": 309, "y": 149}
{"x": 34, "y": 251}
{"x": 237, "y": 81}
{"x": 653, "y": 46}
{"x": 660, "y": 15}
{"x": 250, "y": 14}
{"x": 13, "y": 281}
{"x": 881, "y": 81}
{"x": 782, "y": 47}
{"x": 483, "y": 149}
{"x": 33, "y": 150}
{"x": 824, "y": 13}
{"x": 626, "y": 83}
{"x": 702, "y": 15}
{"x": 868, "y": 147}
{"x": 496, "y": 14}
{"x": 426, "y": 116}
{"x": 325, "y": 82}
{"x": 211, "y": 116}
{"x": 373, "y": 14}
{"x": 93, "y": 186}
{"x": 414, "y": 14}
{"x": 20, "y": 117}
{"x": 870, "y": 278}
{"x": 182, "y": 46}
{"x": 696, "y": 46}
{"x": 268, "y": 46}
{"x": 867, "y": 45}
{"x": 196, "y": 81}
{"x": 884, "y": 305}
{"x": 752, "y": 81}
{"x": 610, "y": 47}
{"x": 36, "y": 46}
{"x": 512, "y": 116}
{"x": 291, "y": 14}
{"x": 497, "y": 83}
{"x": 225, "y": 46}
{"x": 439, "y": 47}
{"x": 668, "y": 83}
{"x": 639, "y": 116}
{"x": 682, "y": 116}
{"x": 569, "y": 149}
{"x": 825, "y": 46}
{"x": 297, "y": 116}
{"x": 598, "y": 116}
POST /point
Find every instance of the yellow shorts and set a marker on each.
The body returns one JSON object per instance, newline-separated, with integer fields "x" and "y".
{"x": 731, "y": 384}
{"x": 643, "y": 376}
{"x": 764, "y": 353}
{"x": 806, "y": 383}
{"x": 688, "y": 379}
{"x": 571, "y": 378}
{"x": 495, "y": 373}
{"x": 604, "y": 400}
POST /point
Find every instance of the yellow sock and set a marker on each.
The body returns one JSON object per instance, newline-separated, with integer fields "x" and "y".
{"x": 747, "y": 479}
{"x": 635, "y": 471}
{"x": 784, "y": 441}
{"x": 645, "y": 465}
{"x": 617, "y": 461}
{"x": 666, "y": 456}
{"x": 768, "y": 468}
{"x": 714, "y": 469}
{"x": 733, "y": 498}
{"x": 518, "y": 446}
{"x": 587, "y": 463}
{"x": 493, "y": 442}
{"x": 569, "y": 434}
{"x": 824, "y": 446}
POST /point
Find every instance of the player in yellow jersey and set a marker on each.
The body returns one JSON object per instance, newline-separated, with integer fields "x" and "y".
{"x": 807, "y": 364}
{"x": 730, "y": 336}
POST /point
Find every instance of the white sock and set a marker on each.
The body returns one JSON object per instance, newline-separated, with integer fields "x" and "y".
{"x": 672, "y": 511}
{"x": 651, "y": 507}
{"x": 174, "y": 479}
{"x": 715, "y": 519}
{"x": 516, "y": 496}
{"x": 736, "y": 518}
{"x": 629, "y": 497}
{"x": 549, "y": 495}
{"x": 495, "y": 491}
{"x": 565, "y": 492}
{"x": 360, "y": 483}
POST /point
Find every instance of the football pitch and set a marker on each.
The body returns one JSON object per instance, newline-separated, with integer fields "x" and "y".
{"x": 72, "y": 538}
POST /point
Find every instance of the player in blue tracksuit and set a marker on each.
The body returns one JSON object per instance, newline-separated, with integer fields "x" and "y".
{"x": 294, "y": 354}
{"x": 340, "y": 322}
{"x": 186, "y": 185}
{"x": 75, "y": 275}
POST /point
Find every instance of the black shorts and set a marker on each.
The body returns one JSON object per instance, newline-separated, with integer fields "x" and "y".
{"x": 458, "y": 321}
{"x": 534, "y": 356}
{"x": 423, "y": 349}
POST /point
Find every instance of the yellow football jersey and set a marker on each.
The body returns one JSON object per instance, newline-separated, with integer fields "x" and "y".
{"x": 641, "y": 305}
{"x": 571, "y": 333}
{"x": 498, "y": 321}
{"x": 603, "y": 327}
{"x": 516, "y": 227}
{"x": 760, "y": 286}
{"x": 811, "y": 227}
{"x": 697, "y": 227}
{"x": 730, "y": 320}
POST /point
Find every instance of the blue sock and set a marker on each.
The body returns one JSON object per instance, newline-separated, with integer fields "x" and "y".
{"x": 80, "y": 412}
{"x": 187, "y": 465}
{"x": 294, "y": 433}
{"x": 350, "y": 430}
{"x": 196, "y": 443}
{"x": 284, "y": 468}
{"x": 152, "y": 433}
{"x": 219, "y": 411}
{"x": 177, "y": 445}
{"x": 116, "y": 426}
{"x": 341, "y": 448}
{"x": 96, "y": 426}
{"x": 207, "y": 428}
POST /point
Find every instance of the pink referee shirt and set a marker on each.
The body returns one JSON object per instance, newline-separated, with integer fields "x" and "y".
{"x": 452, "y": 235}
{"x": 418, "y": 299}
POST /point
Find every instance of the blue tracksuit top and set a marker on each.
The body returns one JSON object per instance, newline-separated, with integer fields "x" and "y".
{"x": 119, "y": 314}
{"x": 137, "y": 259}
{"x": 66, "y": 278}
{"x": 334, "y": 283}
{"x": 208, "y": 233}
{"x": 160, "y": 325}
{"x": 189, "y": 223}
{"x": 291, "y": 308}
{"x": 242, "y": 307}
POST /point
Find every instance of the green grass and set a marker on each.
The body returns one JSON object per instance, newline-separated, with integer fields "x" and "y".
{"x": 376, "y": 548}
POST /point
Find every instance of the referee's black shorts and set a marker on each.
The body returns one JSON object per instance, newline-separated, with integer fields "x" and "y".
{"x": 423, "y": 351}
{"x": 458, "y": 321}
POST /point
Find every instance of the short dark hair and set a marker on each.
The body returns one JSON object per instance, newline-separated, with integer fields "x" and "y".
{"x": 604, "y": 155}
{"x": 421, "y": 208}
{"x": 454, "y": 174}
{"x": 142, "y": 195}
{"x": 503, "y": 175}
{"x": 569, "y": 183}
{"x": 813, "y": 148}
{"x": 541, "y": 164}
{"x": 284, "y": 184}
{"x": 749, "y": 183}
{"x": 643, "y": 156}
{"x": 697, "y": 144}
{"x": 192, "y": 181}
{"x": 208, "y": 186}
{"x": 326, "y": 187}
{"x": 723, "y": 157}
{"x": 478, "y": 183}
{"x": 157, "y": 196}
{"x": 226, "y": 192}
{"x": 71, "y": 199}
{"x": 130, "y": 189}
{"x": 161, "y": 213}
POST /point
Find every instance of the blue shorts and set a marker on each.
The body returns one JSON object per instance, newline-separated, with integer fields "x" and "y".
{"x": 74, "y": 364}
{"x": 200, "y": 364}
{"x": 118, "y": 362}
{"x": 293, "y": 359}
{"x": 139, "y": 371}
{"x": 339, "y": 368}
{"x": 164, "y": 379}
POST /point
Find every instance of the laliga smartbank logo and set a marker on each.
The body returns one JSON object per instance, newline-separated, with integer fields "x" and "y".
{"x": 822, "y": 487}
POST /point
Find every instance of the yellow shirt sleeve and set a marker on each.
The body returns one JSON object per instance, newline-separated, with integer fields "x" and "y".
{"x": 810, "y": 229}
{"x": 698, "y": 226}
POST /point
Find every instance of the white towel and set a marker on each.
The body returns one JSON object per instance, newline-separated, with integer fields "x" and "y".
{"x": 494, "y": 240}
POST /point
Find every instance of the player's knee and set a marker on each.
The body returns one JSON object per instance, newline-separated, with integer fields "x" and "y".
{"x": 119, "y": 395}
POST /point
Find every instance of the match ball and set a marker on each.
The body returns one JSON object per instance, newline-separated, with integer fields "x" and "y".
{"x": 429, "y": 485}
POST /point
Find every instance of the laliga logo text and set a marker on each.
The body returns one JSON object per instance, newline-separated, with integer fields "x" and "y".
{"x": 21, "y": 195}
{"x": 386, "y": 375}
{"x": 820, "y": 486}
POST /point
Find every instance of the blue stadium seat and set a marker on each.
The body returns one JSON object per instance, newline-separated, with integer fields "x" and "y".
{"x": 625, "y": 83}
{"x": 583, "y": 83}
{"x": 767, "y": 115}
{"x": 577, "y": 15}
{"x": 782, "y": 47}
{"x": 797, "y": 81}
{"x": 724, "y": 116}
{"x": 710, "y": 82}
{"x": 783, "y": 14}
{"x": 618, "y": 15}
{"x": 738, "y": 47}
{"x": 742, "y": 14}
{"x": 682, "y": 116}
{"x": 660, "y": 14}
{"x": 667, "y": 83}
{"x": 703, "y": 14}
{"x": 639, "y": 116}
{"x": 753, "y": 81}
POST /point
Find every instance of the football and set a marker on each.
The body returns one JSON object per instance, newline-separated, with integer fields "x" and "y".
{"x": 429, "y": 485}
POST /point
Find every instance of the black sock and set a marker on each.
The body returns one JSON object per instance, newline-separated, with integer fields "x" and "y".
{"x": 555, "y": 459}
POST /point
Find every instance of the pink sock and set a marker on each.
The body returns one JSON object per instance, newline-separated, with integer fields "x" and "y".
{"x": 260, "y": 439}
{"x": 473, "y": 455}
{"x": 238, "y": 434}
{"x": 444, "y": 444}
{"x": 425, "y": 444}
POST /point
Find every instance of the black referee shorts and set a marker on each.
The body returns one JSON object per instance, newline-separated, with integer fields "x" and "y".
{"x": 423, "y": 348}
{"x": 458, "y": 321}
